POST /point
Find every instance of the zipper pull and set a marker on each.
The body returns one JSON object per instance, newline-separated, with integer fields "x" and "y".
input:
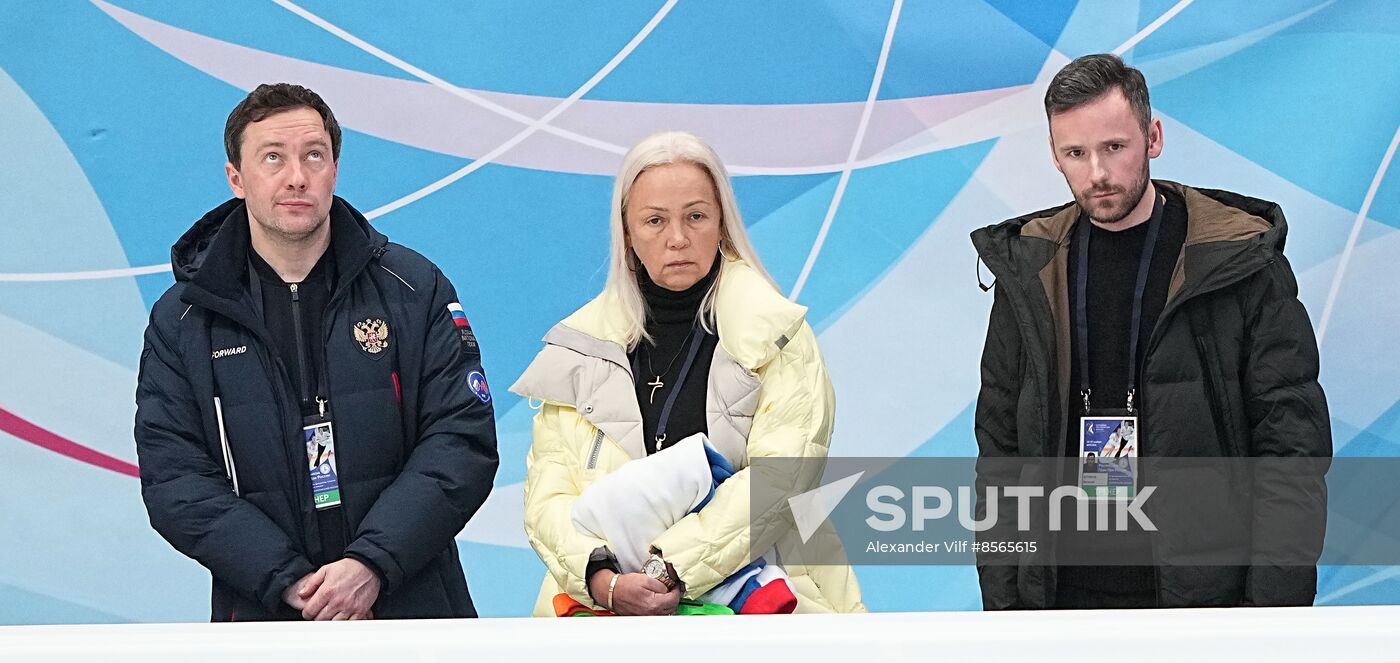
{"x": 295, "y": 298}
{"x": 321, "y": 405}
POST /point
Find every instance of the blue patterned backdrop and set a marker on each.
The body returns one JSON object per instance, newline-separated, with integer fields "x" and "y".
{"x": 868, "y": 137}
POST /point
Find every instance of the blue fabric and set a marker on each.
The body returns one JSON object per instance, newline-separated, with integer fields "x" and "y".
{"x": 719, "y": 465}
{"x": 720, "y": 469}
{"x": 750, "y": 586}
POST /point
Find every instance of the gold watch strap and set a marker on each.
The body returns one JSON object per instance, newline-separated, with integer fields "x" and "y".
{"x": 673, "y": 579}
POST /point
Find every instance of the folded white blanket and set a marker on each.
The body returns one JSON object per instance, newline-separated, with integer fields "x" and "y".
{"x": 634, "y": 505}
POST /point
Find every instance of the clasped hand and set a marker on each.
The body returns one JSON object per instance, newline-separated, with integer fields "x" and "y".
{"x": 342, "y": 590}
{"x": 635, "y": 594}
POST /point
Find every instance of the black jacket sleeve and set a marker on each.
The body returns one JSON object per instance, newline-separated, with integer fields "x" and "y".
{"x": 187, "y": 494}
{"x": 1291, "y": 442}
{"x": 452, "y": 466}
{"x": 995, "y": 426}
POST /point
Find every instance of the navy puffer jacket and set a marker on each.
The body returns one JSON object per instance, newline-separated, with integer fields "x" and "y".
{"x": 218, "y": 430}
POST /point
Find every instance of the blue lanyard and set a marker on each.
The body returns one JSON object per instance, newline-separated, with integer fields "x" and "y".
{"x": 1081, "y": 304}
{"x": 696, "y": 341}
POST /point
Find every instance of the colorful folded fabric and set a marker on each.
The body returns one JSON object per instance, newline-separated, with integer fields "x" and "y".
{"x": 566, "y": 606}
{"x": 693, "y": 607}
{"x": 720, "y": 469}
{"x": 632, "y": 506}
{"x": 774, "y": 598}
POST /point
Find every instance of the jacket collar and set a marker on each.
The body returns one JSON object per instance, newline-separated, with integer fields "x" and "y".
{"x": 212, "y": 256}
{"x": 755, "y": 321}
{"x": 1228, "y": 236}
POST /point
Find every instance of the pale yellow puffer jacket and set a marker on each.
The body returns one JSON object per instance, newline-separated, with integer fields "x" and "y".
{"x": 769, "y": 396}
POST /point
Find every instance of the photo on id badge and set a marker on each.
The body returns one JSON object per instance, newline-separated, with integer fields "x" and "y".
{"x": 320, "y": 461}
{"x": 1108, "y": 457}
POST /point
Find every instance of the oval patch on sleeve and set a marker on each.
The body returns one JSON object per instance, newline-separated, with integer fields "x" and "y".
{"x": 477, "y": 383}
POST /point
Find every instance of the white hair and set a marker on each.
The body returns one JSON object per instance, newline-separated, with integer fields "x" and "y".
{"x": 656, "y": 150}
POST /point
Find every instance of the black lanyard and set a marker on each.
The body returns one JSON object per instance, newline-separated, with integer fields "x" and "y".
{"x": 1081, "y": 304}
{"x": 696, "y": 341}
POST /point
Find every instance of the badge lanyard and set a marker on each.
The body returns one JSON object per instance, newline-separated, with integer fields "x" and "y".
{"x": 319, "y": 435}
{"x": 696, "y": 341}
{"x": 1109, "y": 440}
{"x": 1081, "y": 304}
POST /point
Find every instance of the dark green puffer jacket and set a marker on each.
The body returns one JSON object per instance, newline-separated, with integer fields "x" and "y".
{"x": 1230, "y": 370}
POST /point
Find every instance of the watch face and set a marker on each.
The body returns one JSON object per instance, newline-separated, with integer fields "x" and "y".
{"x": 654, "y": 568}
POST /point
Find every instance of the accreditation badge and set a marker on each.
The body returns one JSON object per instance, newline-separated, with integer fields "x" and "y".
{"x": 320, "y": 463}
{"x": 1108, "y": 453}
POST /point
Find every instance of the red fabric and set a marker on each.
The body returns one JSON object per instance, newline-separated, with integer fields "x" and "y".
{"x": 774, "y": 598}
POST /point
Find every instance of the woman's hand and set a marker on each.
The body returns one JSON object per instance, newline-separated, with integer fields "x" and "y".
{"x": 635, "y": 594}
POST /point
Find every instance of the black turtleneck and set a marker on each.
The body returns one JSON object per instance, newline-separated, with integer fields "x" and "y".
{"x": 671, "y": 319}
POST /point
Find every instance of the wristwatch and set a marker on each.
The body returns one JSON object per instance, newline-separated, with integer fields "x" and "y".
{"x": 660, "y": 569}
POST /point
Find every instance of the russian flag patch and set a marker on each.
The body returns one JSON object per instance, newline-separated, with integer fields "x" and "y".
{"x": 459, "y": 318}
{"x": 464, "y": 328}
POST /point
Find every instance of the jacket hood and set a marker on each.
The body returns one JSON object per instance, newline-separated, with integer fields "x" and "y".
{"x": 1252, "y": 227}
{"x": 192, "y": 249}
{"x": 213, "y": 253}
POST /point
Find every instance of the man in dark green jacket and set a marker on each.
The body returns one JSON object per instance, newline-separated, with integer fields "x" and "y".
{"x": 1172, "y": 306}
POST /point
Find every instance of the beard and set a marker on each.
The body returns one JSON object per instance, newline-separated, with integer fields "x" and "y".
{"x": 1126, "y": 203}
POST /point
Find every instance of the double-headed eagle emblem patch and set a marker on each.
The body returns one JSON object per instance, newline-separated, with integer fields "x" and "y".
{"x": 372, "y": 335}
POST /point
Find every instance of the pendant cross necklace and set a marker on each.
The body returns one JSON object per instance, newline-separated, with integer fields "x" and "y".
{"x": 656, "y": 382}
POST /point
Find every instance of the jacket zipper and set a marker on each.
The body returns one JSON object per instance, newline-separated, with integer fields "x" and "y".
{"x": 1213, "y": 393}
{"x": 301, "y": 345}
{"x": 1216, "y": 392}
{"x": 597, "y": 446}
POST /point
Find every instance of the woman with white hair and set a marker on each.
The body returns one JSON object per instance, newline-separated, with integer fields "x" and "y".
{"x": 690, "y": 355}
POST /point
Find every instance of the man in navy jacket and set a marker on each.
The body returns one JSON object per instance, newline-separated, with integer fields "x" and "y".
{"x": 313, "y": 423}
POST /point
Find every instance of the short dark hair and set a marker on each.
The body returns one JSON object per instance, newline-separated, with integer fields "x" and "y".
{"x": 269, "y": 99}
{"x": 1091, "y": 77}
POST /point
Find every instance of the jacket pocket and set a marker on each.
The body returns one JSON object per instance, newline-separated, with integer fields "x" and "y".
{"x": 1215, "y": 398}
{"x": 230, "y": 470}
